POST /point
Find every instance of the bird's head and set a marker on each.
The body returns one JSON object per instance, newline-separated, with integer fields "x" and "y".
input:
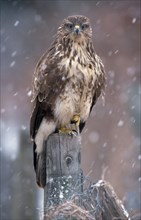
{"x": 76, "y": 27}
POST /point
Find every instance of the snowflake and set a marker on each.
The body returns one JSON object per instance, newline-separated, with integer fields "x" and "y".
{"x": 61, "y": 196}
{"x": 29, "y": 93}
{"x": 120, "y": 123}
{"x": 16, "y": 23}
{"x": 23, "y": 127}
{"x": 14, "y": 54}
{"x": 12, "y": 63}
{"x": 134, "y": 20}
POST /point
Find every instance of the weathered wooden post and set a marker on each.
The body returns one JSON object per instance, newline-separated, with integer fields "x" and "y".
{"x": 64, "y": 196}
{"x": 63, "y": 173}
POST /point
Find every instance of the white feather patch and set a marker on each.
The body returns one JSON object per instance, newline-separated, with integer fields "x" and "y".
{"x": 45, "y": 129}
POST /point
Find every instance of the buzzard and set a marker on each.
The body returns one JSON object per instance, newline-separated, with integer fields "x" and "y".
{"x": 67, "y": 82}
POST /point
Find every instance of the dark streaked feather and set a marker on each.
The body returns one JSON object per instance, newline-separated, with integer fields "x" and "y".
{"x": 99, "y": 86}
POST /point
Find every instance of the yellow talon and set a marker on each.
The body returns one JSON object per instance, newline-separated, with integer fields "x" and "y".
{"x": 76, "y": 120}
{"x": 65, "y": 131}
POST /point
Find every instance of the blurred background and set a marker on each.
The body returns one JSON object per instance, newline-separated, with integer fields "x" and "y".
{"x": 111, "y": 138}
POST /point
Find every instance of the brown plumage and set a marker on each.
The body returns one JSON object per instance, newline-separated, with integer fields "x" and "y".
{"x": 67, "y": 81}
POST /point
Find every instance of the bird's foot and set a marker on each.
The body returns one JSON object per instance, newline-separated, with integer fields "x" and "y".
{"x": 76, "y": 120}
{"x": 64, "y": 130}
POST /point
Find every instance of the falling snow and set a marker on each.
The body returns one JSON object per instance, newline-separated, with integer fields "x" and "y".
{"x": 98, "y": 3}
{"x": 120, "y": 123}
{"x": 29, "y": 93}
{"x": 14, "y": 54}
{"x": 63, "y": 78}
{"x": 23, "y": 127}
{"x": 16, "y": 23}
{"x": 12, "y": 63}
{"x": 110, "y": 112}
{"x": 132, "y": 107}
{"x": 134, "y": 20}
{"x": 15, "y": 94}
{"x": 61, "y": 196}
{"x": 105, "y": 145}
{"x": 116, "y": 51}
{"x": 109, "y": 132}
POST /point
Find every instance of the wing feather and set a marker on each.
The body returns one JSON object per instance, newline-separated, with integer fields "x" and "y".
{"x": 99, "y": 83}
{"x": 47, "y": 85}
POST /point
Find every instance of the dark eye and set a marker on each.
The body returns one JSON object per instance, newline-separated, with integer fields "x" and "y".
{"x": 69, "y": 26}
{"x": 84, "y": 26}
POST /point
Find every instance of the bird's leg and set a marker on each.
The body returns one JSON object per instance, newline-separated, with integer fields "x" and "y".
{"x": 76, "y": 120}
{"x": 71, "y": 128}
{"x": 64, "y": 130}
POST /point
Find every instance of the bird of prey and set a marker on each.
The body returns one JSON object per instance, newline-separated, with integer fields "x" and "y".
{"x": 67, "y": 82}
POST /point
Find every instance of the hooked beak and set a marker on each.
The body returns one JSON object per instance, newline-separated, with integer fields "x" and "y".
{"x": 77, "y": 29}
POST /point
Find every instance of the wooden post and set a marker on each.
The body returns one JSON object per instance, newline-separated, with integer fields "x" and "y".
{"x": 64, "y": 196}
{"x": 63, "y": 172}
{"x": 102, "y": 203}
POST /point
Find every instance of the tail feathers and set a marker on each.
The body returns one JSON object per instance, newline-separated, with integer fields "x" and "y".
{"x": 40, "y": 167}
